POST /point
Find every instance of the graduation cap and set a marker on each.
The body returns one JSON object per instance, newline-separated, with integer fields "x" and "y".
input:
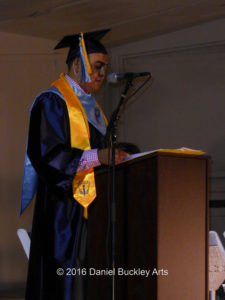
{"x": 81, "y": 45}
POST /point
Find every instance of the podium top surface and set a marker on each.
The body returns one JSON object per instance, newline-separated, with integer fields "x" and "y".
{"x": 182, "y": 152}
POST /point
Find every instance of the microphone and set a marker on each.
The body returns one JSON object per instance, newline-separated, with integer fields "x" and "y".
{"x": 114, "y": 77}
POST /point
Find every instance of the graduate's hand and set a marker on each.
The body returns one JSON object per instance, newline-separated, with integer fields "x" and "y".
{"x": 105, "y": 157}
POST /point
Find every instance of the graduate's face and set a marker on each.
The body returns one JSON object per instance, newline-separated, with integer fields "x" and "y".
{"x": 99, "y": 64}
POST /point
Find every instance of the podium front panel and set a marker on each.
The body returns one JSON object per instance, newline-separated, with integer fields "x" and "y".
{"x": 162, "y": 228}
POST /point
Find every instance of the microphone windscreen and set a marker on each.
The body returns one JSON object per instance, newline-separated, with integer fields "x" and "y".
{"x": 112, "y": 78}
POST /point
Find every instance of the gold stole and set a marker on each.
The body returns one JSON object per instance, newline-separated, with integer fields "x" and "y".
{"x": 84, "y": 190}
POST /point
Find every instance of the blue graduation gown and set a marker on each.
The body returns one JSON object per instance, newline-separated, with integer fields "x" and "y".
{"x": 59, "y": 230}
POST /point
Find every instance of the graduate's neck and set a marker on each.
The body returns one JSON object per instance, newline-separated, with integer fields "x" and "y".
{"x": 73, "y": 76}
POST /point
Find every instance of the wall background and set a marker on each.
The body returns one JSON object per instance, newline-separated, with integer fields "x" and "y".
{"x": 185, "y": 104}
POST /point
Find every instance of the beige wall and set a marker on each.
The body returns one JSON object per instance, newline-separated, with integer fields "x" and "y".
{"x": 27, "y": 65}
{"x": 185, "y": 105}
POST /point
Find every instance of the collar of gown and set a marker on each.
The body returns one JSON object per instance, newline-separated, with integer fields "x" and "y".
{"x": 93, "y": 113}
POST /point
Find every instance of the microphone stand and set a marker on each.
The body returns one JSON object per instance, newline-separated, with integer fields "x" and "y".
{"x": 111, "y": 135}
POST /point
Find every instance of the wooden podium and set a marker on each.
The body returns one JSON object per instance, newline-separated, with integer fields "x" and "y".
{"x": 162, "y": 228}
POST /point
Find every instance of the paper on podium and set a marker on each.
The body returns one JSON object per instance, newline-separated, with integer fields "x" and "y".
{"x": 182, "y": 150}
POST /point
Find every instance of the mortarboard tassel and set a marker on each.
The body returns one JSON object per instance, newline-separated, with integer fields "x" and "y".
{"x": 85, "y": 64}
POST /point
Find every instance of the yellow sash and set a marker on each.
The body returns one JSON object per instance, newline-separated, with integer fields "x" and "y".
{"x": 84, "y": 190}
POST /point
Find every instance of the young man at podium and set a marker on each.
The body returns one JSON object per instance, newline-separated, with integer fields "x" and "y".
{"x": 66, "y": 141}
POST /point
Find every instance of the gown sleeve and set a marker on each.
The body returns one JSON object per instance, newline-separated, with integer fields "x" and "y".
{"x": 49, "y": 147}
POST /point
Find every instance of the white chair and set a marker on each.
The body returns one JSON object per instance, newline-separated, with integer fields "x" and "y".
{"x": 216, "y": 263}
{"x": 223, "y": 285}
{"x": 25, "y": 241}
